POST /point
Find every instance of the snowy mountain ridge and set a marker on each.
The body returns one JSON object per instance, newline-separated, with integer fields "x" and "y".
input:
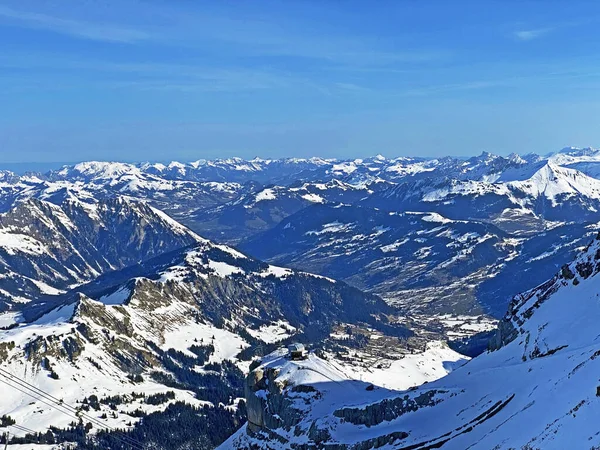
{"x": 176, "y": 327}
{"x": 106, "y": 283}
{"x": 540, "y": 373}
{"x": 46, "y": 249}
{"x": 476, "y": 168}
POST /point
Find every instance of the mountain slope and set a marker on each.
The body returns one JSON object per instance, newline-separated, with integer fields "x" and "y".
{"x": 387, "y": 253}
{"x": 46, "y": 249}
{"x": 181, "y": 327}
{"x": 540, "y": 374}
{"x": 259, "y": 208}
{"x": 419, "y": 261}
{"x": 531, "y": 201}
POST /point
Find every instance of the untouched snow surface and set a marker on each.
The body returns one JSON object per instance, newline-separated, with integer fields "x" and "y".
{"x": 413, "y": 370}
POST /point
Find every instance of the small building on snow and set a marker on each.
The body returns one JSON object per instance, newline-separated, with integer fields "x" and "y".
{"x": 297, "y": 351}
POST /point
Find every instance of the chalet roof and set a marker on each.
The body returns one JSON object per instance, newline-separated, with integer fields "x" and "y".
{"x": 296, "y": 347}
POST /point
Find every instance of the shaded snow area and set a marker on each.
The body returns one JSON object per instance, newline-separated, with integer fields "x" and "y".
{"x": 175, "y": 226}
{"x": 56, "y": 316}
{"x": 538, "y": 390}
{"x": 10, "y": 318}
{"x": 47, "y": 289}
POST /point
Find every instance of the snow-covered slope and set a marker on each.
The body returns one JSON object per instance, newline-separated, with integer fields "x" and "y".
{"x": 259, "y": 208}
{"x": 94, "y": 181}
{"x": 111, "y": 295}
{"x": 539, "y": 187}
{"x": 183, "y": 188}
{"x": 393, "y": 254}
{"x": 543, "y": 373}
{"x": 542, "y": 208}
{"x": 558, "y": 183}
{"x": 189, "y": 321}
{"x": 47, "y": 249}
{"x": 420, "y": 261}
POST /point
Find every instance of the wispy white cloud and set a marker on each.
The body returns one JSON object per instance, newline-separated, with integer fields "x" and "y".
{"x": 352, "y": 87}
{"x": 454, "y": 87}
{"x": 529, "y": 35}
{"x": 216, "y": 29}
{"x": 558, "y": 75}
{"x": 277, "y": 34}
{"x": 152, "y": 76}
{"x": 81, "y": 29}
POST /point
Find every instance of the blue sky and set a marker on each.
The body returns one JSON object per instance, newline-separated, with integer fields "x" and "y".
{"x": 182, "y": 79}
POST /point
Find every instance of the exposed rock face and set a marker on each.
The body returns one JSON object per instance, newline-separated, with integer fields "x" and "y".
{"x": 523, "y": 306}
{"x": 388, "y": 409}
{"x": 45, "y": 249}
{"x": 271, "y": 404}
{"x": 124, "y": 318}
{"x": 266, "y": 403}
{"x": 505, "y": 333}
{"x": 282, "y": 395}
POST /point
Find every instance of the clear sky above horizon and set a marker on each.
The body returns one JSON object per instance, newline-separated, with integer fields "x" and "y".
{"x": 183, "y": 80}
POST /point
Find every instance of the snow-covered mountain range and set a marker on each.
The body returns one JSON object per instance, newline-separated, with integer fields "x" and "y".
{"x": 124, "y": 314}
{"x": 136, "y": 293}
{"x": 488, "y": 218}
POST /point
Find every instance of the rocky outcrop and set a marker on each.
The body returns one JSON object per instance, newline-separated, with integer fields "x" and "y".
{"x": 266, "y": 401}
{"x": 281, "y": 393}
{"x": 523, "y": 306}
{"x": 46, "y": 249}
{"x": 505, "y": 333}
{"x": 388, "y": 409}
